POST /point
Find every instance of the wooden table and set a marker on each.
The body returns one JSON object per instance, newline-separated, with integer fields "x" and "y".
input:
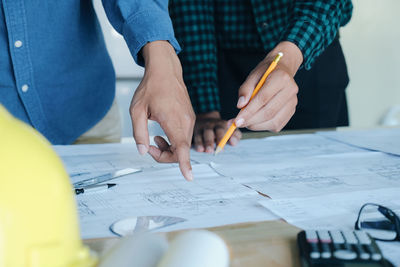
{"x": 270, "y": 243}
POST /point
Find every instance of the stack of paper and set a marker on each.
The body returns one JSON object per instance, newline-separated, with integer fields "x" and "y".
{"x": 314, "y": 181}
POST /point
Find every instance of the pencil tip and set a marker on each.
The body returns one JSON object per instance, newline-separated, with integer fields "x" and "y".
{"x": 219, "y": 149}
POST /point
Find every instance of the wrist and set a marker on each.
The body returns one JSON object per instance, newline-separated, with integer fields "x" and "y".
{"x": 153, "y": 52}
{"x": 292, "y": 56}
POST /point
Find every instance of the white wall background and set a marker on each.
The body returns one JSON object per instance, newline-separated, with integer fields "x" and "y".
{"x": 371, "y": 46}
{"x": 370, "y": 43}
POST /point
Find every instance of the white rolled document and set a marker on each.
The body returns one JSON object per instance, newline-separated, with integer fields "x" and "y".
{"x": 197, "y": 248}
{"x": 139, "y": 250}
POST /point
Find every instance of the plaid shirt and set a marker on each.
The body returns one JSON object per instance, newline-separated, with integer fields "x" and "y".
{"x": 203, "y": 25}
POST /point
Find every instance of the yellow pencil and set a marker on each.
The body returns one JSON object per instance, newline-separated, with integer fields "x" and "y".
{"x": 231, "y": 129}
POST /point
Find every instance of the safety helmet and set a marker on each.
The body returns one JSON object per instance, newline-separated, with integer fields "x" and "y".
{"x": 38, "y": 214}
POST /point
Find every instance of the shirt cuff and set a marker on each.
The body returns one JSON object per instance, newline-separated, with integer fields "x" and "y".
{"x": 148, "y": 26}
{"x": 308, "y": 38}
{"x": 204, "y": 97}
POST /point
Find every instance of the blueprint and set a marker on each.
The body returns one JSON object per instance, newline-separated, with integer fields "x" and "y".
{"x": 86, "y": 159}
{"x": 316, "y": 175}
{"x": 310, "y": 180}
{"x": 210, "y": 200}
{"x": 275, "y": 149}
{"x": 385, "y": 140}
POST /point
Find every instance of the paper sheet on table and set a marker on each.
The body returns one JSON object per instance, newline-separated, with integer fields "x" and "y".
{"x": 101, "y": 158}
{"x": 337, "y": 211}
{"x": 210, "y": 200}
{"x": 275, "y": 149}
{"x": 385, "y": 140}
{"x": 391, "y": 251}
{"x": 318, "y": 175}
{"x": 310, "y": 212}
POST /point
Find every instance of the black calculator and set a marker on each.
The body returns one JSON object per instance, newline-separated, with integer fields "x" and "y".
{"x": 322, "y": 248}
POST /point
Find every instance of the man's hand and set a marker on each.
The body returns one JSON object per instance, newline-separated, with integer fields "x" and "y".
{"x": 275, "y": 103}
{"x": 209, "y": 130}
{"x": 162, "y": 96}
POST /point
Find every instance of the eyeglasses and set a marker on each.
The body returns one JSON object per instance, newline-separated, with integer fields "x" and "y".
{"x": 379, "y": 222}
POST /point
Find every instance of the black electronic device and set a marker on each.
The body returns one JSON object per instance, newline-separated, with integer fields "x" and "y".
{"x": 323, "y": 248}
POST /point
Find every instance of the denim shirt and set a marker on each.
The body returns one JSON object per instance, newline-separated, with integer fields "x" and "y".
{"x": 55, "y": 73}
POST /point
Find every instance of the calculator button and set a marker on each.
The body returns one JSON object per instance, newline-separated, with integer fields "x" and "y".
{"x": 337, "y": 237}
{"x": 345, "y": 254}
{"x": 315, "y": 255}
{"x": 324, "y": 236}
{"x": 311, "y": 236}
{"x": 325, "y": 239}
{"x": 363, "y": 237}
{"x": 375, "y": 255}
{"x": 337, "y": 246}
{"x": 350, "y": 237}
{"x": 312, "y": 240}
{"x": 326, "y": 252}
{"x": 361, "y": 252}
{"x": 365, "y": 256}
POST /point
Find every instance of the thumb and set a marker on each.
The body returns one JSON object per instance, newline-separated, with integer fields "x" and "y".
{"x": 247, "y": 88}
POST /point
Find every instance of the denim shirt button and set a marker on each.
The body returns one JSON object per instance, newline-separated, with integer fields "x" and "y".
{"x": 18, "y": 44}
{"x": 25, "y": 88}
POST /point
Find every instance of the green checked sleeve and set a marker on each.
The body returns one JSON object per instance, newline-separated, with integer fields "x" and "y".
{"x": 314, "y": 25}
{"x": 193, "y": 22}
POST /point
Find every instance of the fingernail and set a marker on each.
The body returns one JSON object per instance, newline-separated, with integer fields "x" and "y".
{"x": 209, "y": 149}
{"x": 199, "y": 148}
{"x": 239, "y": 122}
{"x": 189, "y": 176}
{"x": 241, "y": 101}
{"x": 142, "y": 149}
{"x": 234, "y": 141}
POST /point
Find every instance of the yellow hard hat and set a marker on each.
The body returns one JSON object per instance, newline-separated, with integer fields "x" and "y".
{"x": 38, "y": 214}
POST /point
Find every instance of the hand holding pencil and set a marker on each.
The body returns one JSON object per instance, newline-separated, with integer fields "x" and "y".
{"x": 268, "y": 104}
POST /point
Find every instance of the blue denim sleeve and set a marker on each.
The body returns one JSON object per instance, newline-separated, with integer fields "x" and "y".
{"x": 140, "y": 22}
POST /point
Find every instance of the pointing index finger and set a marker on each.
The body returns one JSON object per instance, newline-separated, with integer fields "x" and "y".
{"x": 180, "y": 134}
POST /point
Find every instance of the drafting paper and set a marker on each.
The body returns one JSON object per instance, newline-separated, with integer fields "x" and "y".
{"x": 384, "y": 140}
{"x": 275, "y": 149}
{"x": 317, "y": 175}
{"x": 314, "y": 180}
{"x": 101, "y": 158}
{"x": 210, "y": 200}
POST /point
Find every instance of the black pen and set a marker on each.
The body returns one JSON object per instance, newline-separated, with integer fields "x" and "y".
{"x": 93, "y": 188}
